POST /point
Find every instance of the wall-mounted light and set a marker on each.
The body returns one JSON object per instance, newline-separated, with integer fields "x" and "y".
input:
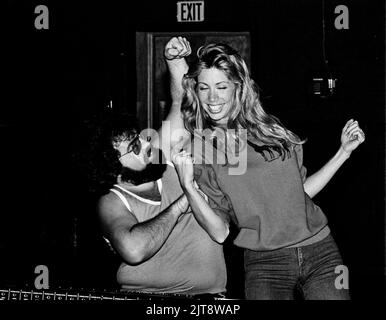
{"x": 324, "y": 83}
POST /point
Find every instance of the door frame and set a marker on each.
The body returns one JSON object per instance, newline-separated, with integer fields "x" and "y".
{"x": 148, "y": 114}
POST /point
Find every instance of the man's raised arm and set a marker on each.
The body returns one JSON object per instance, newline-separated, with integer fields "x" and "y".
{"x": 173, "y": 130}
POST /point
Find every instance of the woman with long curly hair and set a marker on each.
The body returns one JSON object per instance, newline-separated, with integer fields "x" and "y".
{"x": 287, "y": 243}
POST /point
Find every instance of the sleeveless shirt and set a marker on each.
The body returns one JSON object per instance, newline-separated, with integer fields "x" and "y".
{"x": 189, "y": 262}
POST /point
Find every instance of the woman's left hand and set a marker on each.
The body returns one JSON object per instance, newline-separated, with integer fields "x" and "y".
{"x": 352, "y": 136}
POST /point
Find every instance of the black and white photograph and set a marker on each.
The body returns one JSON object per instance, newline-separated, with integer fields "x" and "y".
{"x": 192, "y": 158}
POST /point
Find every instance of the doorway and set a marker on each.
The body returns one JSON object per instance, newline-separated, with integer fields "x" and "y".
{"x": 153, "y": 93}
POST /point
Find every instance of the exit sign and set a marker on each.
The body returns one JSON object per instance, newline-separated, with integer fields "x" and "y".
{"x": 190, "y": 11}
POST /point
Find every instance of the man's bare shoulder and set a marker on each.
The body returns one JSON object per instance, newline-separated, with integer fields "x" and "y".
{"x": 113, "y": 214}
{"x": 109, "y": 203}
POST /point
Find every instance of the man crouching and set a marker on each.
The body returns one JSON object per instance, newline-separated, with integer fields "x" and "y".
{"x": 169, "y": 241}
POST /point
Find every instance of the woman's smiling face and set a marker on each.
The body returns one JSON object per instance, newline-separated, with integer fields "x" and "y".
{"x": 215, "y": 92}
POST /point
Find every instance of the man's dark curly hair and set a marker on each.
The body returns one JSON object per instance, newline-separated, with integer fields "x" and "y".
{"x": 99, "y": 159}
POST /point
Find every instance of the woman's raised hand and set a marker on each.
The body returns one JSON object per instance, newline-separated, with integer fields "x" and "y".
{"x": 352, "y": 136}
{"x": 177, "y": 48}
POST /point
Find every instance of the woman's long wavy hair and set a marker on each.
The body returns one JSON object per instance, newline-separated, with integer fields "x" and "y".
{"x": 246, "y": 112}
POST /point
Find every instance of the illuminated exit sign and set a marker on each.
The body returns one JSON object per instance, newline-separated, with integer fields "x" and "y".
{"x": 190, "y": 11}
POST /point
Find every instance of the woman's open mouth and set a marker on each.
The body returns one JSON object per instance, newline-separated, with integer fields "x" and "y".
{"x": 215, "y": 108}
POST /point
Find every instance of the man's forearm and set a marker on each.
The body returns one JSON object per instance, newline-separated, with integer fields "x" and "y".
{"x": 174, "y": 131}
{"x": 177, "y": 69}
{"x": 146, "y": 238}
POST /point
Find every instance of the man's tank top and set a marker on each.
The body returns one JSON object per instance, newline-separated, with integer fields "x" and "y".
{"x": 189, "y": 262}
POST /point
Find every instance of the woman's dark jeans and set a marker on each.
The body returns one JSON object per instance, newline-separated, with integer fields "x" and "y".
{"x": 308, "y": 271}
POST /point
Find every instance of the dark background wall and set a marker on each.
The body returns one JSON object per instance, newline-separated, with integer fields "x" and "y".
{"x": 57, "y": 78}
